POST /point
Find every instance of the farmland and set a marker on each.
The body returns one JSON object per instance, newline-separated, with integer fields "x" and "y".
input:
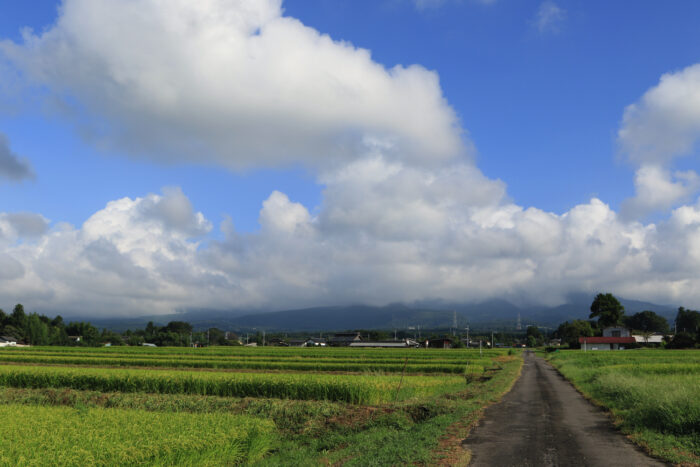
{"x": 266, "y": 406}
{"x": 652, "y": 395}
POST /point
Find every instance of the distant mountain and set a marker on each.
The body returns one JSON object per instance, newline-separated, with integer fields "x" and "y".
{"x": 489, "y": 315}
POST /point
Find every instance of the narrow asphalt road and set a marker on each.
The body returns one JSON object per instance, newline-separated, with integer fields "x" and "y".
{"x": 544, "y": 421}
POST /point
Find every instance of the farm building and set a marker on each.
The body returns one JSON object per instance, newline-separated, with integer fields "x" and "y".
{"x": 403, "y": 344}
{"x": 441, "y": 343}
{"x": 297, "y": 342}
{"x": 316, "y": 342}
{"x": 653, "y": 339}
{"x": 605, "y": 343}
{"x": 6, "y": 341}
{"x": 344, "y": 338}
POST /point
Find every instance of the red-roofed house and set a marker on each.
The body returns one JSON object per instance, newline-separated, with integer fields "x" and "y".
{"x": 605, "y": 343}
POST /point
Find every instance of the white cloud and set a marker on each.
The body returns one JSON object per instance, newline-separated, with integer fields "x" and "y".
{"x": 665, "y": 122}
{"x": 399, "y": 234}
{"x": 657, "y": 189}
{"x": 661, "y": 127}
{"x": 12, "y": 167}
{"x": 231, "y": 82}
{"x": 549, "y": 17}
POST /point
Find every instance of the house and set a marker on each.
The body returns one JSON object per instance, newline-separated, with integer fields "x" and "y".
{"x": 317, "y": 342}
{"x": 616, "y": 331}
{"x": 441, "y": 343}
{"x": 75, "y": 338}
{"x": 343, "y": 339}
{"x": 605, "y": 342}
{"x": 146, "y": 344}
{"x": 297, "y": 342}
{"x": 6, "y": 341}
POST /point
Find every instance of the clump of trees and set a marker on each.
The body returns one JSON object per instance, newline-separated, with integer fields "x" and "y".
{"x": 36, "y": 329}
{"x": 610, "y": 312}
{"x": 178, "y": 334}
{"x": 687, "y": 329}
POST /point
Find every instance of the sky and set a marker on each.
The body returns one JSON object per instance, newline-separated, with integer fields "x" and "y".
{"x": 158, "y": 155}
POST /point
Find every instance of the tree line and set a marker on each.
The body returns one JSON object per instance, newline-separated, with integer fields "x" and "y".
{"x": 37, "y": 329}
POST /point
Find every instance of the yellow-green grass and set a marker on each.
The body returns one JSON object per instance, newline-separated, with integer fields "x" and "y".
{"x": 34, "y": 435}
{"x": 325, "y": 353}
{"x": 653, "y": 394}
{"x": 235, "y": 363}
{"x": 361, "y": 419}
{"x": 356, "y": 389}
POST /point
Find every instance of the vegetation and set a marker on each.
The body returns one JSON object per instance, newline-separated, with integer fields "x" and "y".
{"x": 97, "y": 436}
{"x": 653, "y": 395}
{"x": 340, "y": 405}
{"x": 607, "y": 309}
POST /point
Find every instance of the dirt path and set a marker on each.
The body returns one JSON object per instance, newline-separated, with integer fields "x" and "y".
{"x": 544, "y": 421}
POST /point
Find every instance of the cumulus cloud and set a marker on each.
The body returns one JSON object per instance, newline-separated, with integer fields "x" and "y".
{"x": 659, "y": 128}
{"x": 231, "y": 82}
{"x": 658, "y": 189}
{"x": 549, "y": 17}
{"x": 446, "y": 233}
{"x": 12, "y": 167}
{"x": 665, "y": 122}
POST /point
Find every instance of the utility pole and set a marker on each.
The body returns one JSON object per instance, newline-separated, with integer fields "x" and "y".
{"x": 467, "y": 336}
{"x": 263, "y": 338}
{"x": 394, "y": 334}
{"x": 479, "y": 347}
{"x": 492, "y": 346}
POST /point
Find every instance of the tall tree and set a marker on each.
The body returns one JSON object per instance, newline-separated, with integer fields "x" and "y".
{"x": 687, "y": 321}
{"x": 607, "y": 309}
{"x": 570, "y": 332}
{"x": 647, "y": 321}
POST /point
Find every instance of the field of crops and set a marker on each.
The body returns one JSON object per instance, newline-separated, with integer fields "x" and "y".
{"x": 223, "y": 406}
{"x": 654, "y": 395}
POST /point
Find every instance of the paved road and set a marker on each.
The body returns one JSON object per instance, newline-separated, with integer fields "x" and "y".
{"x": 544, "y": 421}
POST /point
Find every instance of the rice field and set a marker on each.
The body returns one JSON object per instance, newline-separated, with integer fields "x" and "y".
{"x": 654, "y": 395}
{"x": 230, "y": 406}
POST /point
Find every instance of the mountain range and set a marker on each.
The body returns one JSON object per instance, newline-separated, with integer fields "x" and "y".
{"x": 499, "y": 315}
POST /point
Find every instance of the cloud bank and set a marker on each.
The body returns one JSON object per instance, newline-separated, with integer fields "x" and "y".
{"x": 405, "y": 213}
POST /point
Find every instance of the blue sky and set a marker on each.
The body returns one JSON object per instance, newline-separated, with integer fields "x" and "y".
{"x": 542, "y": 107}
{"x": 538, "y": 88}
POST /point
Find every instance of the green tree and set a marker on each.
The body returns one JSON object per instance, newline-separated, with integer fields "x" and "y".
{"x": 647, "y": 321}
{"x": 37, "y": 331}
{"x": 687, "y": 321}
{"x": 607, "y": 309}
{"x": 18, "y": 318}
{"x": 570, "y": 332}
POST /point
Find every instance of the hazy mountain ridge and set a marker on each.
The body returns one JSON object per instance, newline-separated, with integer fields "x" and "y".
{"x": 493, "y": 314}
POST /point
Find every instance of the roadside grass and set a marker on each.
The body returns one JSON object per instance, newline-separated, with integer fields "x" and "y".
{"x": 403, "y": 433}
{"x": 653, "y": 395}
